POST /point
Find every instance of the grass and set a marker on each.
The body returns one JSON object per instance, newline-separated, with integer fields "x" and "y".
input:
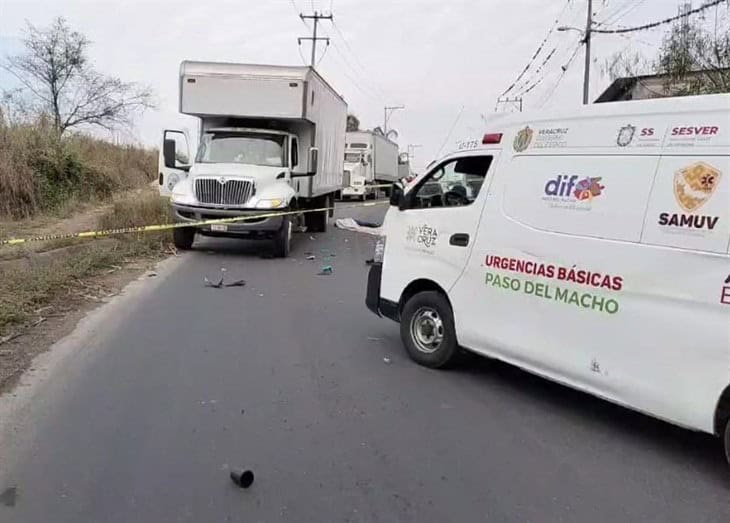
{"x": 42, "y": 172}
{"x": 25, "y": 291}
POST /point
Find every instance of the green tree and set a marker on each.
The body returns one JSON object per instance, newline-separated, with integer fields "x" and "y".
{"x": 57, "y": 79}
{"x": 694, "y": 58}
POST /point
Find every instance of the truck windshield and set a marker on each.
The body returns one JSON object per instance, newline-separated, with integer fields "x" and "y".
{"x": 248, "y": 148}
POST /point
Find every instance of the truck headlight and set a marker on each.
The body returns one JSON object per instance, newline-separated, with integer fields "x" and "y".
{"x": 379, "y": 250}
{"x": 182, "y": 194}
{"x": 273, "y": 203}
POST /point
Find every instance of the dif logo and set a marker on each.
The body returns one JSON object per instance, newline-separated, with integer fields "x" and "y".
{"x": 574, "y": 188}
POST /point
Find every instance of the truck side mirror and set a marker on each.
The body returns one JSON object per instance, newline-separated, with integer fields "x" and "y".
{"x": 168, "y": 153}
{"x": 313, "y": 158}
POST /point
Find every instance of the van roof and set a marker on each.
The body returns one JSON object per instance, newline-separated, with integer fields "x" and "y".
{"x": 656, "y": 106}
{"x": 584, "y": 132}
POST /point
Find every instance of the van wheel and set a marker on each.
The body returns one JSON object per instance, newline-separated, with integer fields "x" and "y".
{"x": 282, "y": 239}
{"x": 427, "y": 330}
{"x": 183, "y": 237}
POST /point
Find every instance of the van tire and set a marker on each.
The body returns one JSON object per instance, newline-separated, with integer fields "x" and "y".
{"x": 282, "y": 239}
{"x": 427, "y": 330}
{"x": 183, "y": 238}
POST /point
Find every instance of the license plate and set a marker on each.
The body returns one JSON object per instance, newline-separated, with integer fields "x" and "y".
{"x": 219, "y": 227}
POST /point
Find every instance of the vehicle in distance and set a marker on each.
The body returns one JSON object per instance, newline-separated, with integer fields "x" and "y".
{"x": 370, "y": 160}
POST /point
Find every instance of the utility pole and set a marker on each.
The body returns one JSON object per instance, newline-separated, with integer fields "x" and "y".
{"x": 316, "y": 17}
{"x": 387, "y": 110}
{"x": 587, "y": 40}
{"x": 517, "y": 101}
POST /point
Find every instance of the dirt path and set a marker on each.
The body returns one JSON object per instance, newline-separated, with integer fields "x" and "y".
{"x": 84, "y": 219}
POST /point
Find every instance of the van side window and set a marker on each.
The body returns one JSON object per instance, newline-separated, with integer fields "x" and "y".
{"x": 452, "y": 184}
{"x": 294, "y": 152}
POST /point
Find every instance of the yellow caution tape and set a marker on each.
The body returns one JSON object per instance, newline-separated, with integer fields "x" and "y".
{"x": 168, "y": 226}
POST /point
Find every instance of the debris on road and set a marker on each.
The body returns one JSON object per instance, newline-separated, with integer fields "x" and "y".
{"x": 8, "y": 496}
{"x": 350, "y": 224}
{"x": 311, "y": 257}
{"x": 312, "y": 238}
{"x": 242, "y": 478}
{"x": 220, "y": 283}
{"x": 373, "y": 338}
{"x": 326, "y": 270}
{"x": 386, "y": 359}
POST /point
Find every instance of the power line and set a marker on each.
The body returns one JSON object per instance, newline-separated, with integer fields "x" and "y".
{"x": 537, "y": 52}
{"x": 451, "y": 130}
{"x": 560, "y": 78}
{"x": 364, "y": 72}
{"x": 630, "y": 10}
{"x": 612, "y": 16}
{"x": 361, "y": 85}
{"x": 652, "y": 25}
{"x": 524, "y": 88}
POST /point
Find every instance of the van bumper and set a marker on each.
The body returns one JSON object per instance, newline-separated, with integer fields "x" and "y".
{"x": 373, "y": 301}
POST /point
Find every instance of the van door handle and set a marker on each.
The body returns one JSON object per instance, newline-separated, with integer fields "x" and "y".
{"x": 460, "y": 239}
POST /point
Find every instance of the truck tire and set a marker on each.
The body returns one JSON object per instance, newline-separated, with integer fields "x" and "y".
{"x": 726, "y": 441}
{"x": 427, "y": 330}
{"x": 183, "y": 237}
{"x": 317, "y": 221}
{"x": 282, "y": 239}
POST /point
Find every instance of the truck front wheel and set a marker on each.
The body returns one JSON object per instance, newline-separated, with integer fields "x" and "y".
{"x": 282, "y": 239}
{"x": 183, "y": 237}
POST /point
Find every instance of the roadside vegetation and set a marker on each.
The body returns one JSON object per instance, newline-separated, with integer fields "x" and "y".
{"x": 58, "y": 177}
{"x": 44, "y": 172}
{"x": 62, "y": 271}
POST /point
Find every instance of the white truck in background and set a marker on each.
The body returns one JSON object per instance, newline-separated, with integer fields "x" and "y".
{"x": 271, "y": 138}
{"x": 370, "y": 159}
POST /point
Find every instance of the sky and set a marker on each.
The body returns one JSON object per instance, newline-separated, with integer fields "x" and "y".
{"x": 445, "y": 61}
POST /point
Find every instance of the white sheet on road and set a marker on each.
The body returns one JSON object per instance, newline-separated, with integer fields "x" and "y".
{"x": 351, "y": 224}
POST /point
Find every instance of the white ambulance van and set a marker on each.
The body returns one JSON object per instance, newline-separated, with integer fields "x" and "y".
{"x": 590, "y": 248}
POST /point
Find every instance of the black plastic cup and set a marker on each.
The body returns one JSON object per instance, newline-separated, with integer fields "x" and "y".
{"x": 242, "y": 478}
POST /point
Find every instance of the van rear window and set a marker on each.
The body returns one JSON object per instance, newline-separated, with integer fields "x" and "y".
{"x": 594, "y": 196}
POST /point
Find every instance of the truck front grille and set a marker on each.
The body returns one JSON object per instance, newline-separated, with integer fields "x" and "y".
{"x": 222, "y": 191}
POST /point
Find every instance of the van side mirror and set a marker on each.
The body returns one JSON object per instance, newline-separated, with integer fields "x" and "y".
{"x": 168, "y": 153}
{"x": 397, "y": 197}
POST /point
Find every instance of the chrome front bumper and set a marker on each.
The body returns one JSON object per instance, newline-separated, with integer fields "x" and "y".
{"x": 190, "y": 213}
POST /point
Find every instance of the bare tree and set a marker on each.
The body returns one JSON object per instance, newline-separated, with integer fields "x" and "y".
{"x": 57, "y": 79}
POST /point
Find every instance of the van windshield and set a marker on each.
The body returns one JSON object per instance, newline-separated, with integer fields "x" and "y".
{"x": 248, "y": 148}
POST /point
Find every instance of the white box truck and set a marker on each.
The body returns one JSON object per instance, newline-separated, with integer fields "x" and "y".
{"x": 370, "y": 159}
{"x": 271, "y": 138}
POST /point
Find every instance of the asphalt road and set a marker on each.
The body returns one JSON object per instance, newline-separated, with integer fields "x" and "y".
{"x": 293, "y": 378}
